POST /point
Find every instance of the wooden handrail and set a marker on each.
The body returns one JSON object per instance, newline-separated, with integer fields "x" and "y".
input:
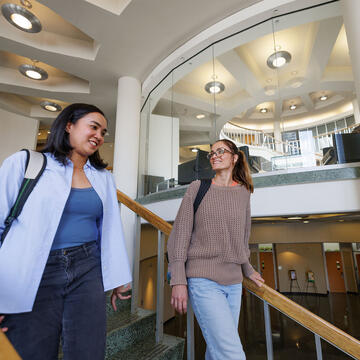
{"x": 306, "y": 318}
{"x": 6, "y": 349}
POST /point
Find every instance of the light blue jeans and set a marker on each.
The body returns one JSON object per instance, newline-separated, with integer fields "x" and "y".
{"x": 217, "y": 310}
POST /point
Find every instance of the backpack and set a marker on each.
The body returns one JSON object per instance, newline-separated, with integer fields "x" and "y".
{"x": 35, "y": 166}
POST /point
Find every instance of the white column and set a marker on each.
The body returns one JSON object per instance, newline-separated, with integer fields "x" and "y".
{"x": 277, "y": 135}
{"x": 351, "y": 11}
{"x": 355, "y": 105}
{"x": 126, "y": 151}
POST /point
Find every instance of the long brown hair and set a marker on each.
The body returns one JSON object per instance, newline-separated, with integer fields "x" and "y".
{"x": 241, "y": 170}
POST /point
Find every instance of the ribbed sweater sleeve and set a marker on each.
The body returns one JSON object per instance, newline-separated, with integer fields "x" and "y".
{"x": 180, "y": 236}
{"x": 247, "y": 268}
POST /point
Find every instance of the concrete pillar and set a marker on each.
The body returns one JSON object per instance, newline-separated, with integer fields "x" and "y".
{"x": 355, "y": 105}
{"x": 126, "y": 151}
{"x": 277, "y": 135}
{"x": 351, "y": 11}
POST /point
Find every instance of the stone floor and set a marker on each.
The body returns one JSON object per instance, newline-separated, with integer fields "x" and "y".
{"x": 290, "y": 340}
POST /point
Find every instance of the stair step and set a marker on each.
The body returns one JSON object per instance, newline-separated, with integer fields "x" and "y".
{"x": 171, "y": 348}
{"x": 125, "y": 329}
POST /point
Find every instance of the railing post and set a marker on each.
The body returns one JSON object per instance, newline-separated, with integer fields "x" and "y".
{"x": 190, "y": 339}
{"x": 160, "y": 288}
{"x": 136, "y": 266}
{"x": 318, "y": 347}
{"x": 268, "y": 333}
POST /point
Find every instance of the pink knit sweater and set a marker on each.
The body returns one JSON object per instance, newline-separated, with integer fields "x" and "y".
{"x": 215, "y": 246}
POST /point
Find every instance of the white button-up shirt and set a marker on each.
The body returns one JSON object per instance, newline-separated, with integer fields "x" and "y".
{"x": 26, "y": 247}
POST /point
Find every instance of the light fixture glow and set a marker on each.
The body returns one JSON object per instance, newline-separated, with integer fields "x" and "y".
{"x": 306, "y": 221}
{"x": 270, "y": 90}
{"x": 50, "y": 106}
{"x": 33, "y": 72}
{"x": 21, "y": 21}
{"x": 263, "y": 110}
{"x": 21, "y": 18}
{"x": 200, "y": 116}
{"x": 294, "y": 218}
{"x": 278, "y": 59}
{"x": 292, "y": 107}
{"x": 214, "y": 87}
{"x": 323, "y": 98}
{"x": 195, "y": 150}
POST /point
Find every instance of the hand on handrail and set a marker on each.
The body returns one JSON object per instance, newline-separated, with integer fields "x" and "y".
{"x": 257, "y": 279}
{"x": 118, "y": 294}
{"x": 4, "y": 329}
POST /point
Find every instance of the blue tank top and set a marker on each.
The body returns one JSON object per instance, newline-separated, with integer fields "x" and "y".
{"x": 80, "y": 220}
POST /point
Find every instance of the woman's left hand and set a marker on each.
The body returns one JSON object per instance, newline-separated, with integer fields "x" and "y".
{"x": 118, "y": 294}
{"x": 4, "y": 329}
{"x": 257, "y": 279}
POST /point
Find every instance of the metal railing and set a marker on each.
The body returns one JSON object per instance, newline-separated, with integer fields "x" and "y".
{"x": 259, "y": 138}
{"x": 326, "y": 140}
{"x": 321, "y": 329}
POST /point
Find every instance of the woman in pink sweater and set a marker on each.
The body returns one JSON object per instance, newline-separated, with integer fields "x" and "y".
{"x": 209, "y": 252}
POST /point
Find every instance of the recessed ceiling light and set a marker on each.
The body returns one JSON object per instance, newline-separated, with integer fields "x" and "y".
{"x": 39, "y": 133}
{"x": 50, "y": 106}
{"x": 33, "y": 72}
{"x": 200, "y": 116}
{"x": 214, "y": 87}
{"x": 306, "y": 221}
{"x": 263, "y": 110}
{"x": 294, "y": 218}
{"x": 49, "y": 132}
{"x": 294, "y": 72}
{"x": 292, "y": 107}
{"x": 323, "y": 98}
{"x": 195, "y": 150}
{"x": 278, "y": 59}
{"x": 21, "y": 18}
{"x": 296, "y": 84}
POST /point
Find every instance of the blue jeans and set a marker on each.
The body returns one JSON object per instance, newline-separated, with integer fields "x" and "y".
{"x": 70, "y": 303}
{"x": 217, "y": 310}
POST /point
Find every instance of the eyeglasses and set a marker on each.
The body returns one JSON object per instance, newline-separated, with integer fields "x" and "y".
{"x": 218, "y": 152}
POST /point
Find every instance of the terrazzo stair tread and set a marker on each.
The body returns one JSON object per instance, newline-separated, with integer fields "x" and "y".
{"x": 171, "y": 348}
{"x": 125, "y": 329}
{"x": 122, "y": 305}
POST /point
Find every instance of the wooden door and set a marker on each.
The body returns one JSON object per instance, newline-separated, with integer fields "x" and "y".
{"x": 267, "y": 268}
{"x": 358, "y": 263}
{"x": 335, "y": 271}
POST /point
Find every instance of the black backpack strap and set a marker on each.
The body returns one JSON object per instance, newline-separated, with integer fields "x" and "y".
{"x": 35, "y": 166}
{"x": 203, "y": 189}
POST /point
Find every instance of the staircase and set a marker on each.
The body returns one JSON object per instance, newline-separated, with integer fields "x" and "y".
{"x": 132, "y": 336}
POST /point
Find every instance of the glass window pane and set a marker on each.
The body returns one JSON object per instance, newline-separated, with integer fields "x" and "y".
{"x": 340, "y": 124}
{"x": 350, "y": 120}
{"x": 330, "y": 126}
{"x": 321, "y": 129}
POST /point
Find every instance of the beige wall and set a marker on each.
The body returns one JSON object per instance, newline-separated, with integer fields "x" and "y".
{"x": 17, "y": 132}
{"x": 301, "y": 233}
{"x": 107, "y": 153}
{"x": 302, "y": 258}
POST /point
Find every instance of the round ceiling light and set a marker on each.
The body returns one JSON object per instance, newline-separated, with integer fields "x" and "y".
{"x": 292, "y": 107}
{"x": 33, "y": 72}
{"x": 263, "y": 110}
{"x": 323, "y": 98}
{"x": 278, "y": 59}
{"x": 21, "y": 18}
{"x": 200, "y": 116}
{"x": 214, "y": 87}
{"x": 50, "y": 106}
{"x": 195, "y": 150}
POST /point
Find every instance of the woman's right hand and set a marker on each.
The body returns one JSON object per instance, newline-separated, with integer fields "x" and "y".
{"x": 179, "y": 298}
{"x": 3, "y": 329}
